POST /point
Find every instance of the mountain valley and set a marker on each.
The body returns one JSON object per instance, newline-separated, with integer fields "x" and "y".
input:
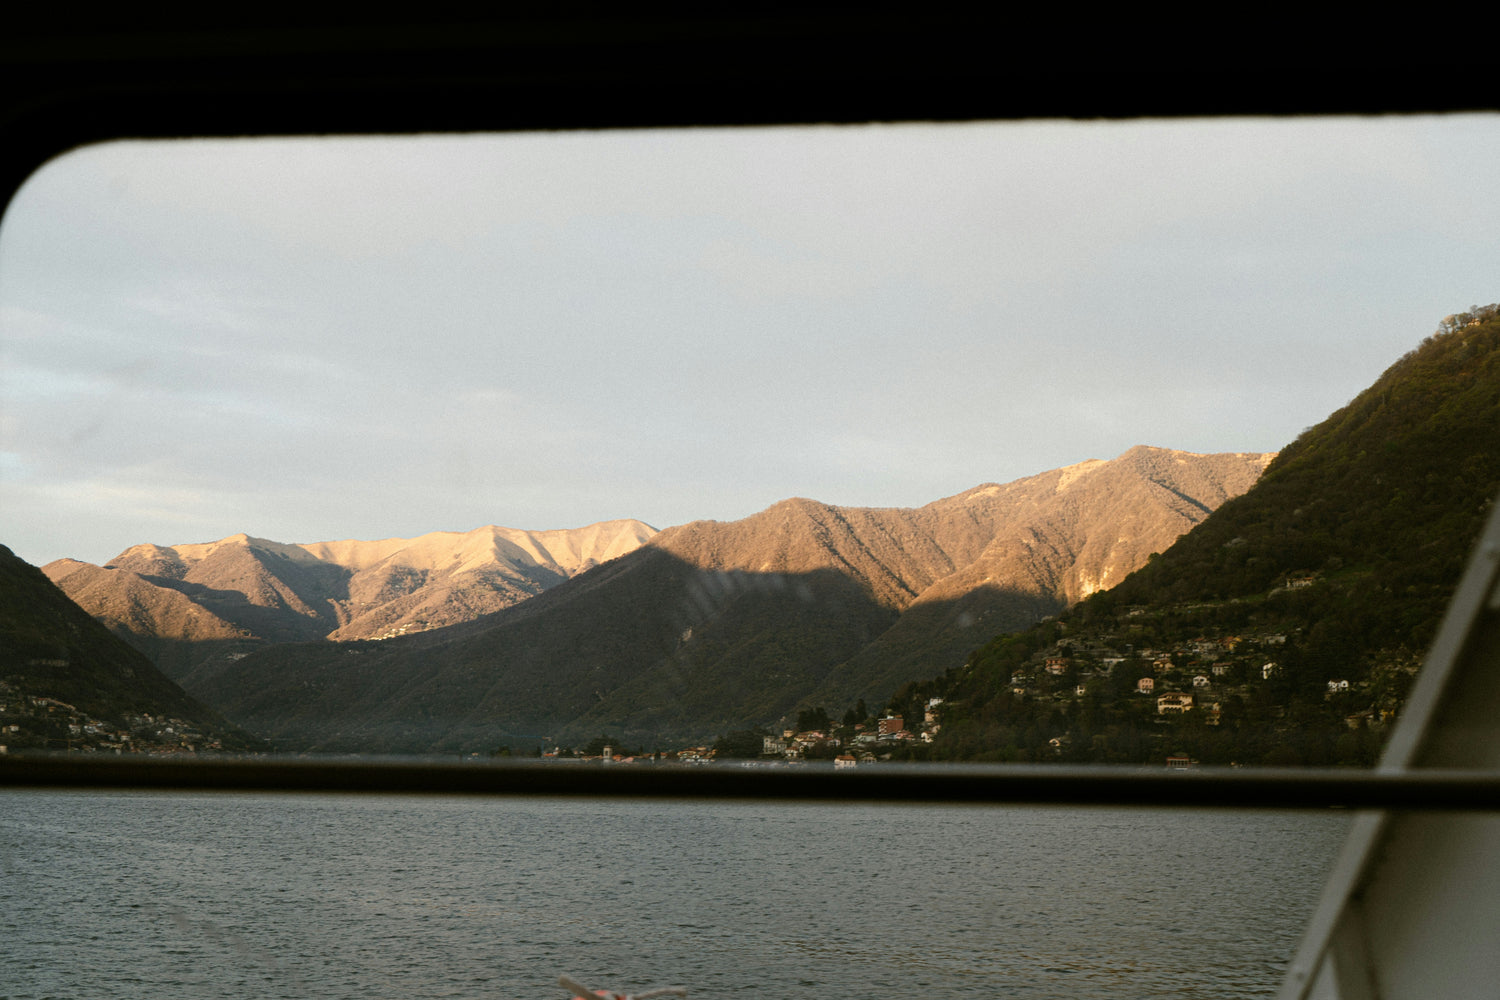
{"x": 704, "y": 626}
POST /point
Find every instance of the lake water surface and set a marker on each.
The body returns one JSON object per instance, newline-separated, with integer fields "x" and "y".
{"x": 323, "y": 896}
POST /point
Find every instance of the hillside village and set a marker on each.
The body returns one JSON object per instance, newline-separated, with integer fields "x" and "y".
{"x": 1214, "y": 683}
{"x": 1105, "y": 694}
{"x": 846, "y": 745}
{"x": 37, "y": 722}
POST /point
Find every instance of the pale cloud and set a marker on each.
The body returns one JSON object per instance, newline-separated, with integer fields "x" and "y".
{"x": 202, "y": 311}
{"x": 13, "y": 466}
{"x": 63, "y": 515}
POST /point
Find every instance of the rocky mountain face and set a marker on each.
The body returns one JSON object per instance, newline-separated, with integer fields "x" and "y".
{"x": 184, "y": 604}
{"x": 715, "y": 625}
{"x": 1059, "y": 537}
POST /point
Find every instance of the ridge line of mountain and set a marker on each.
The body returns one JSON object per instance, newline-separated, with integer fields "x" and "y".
{"x": 709, "y": 622}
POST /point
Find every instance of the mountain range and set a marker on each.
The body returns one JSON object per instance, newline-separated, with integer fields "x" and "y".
{"x": 681, "y": 634}
{"x": 182, "y": 604}
{"x": 1330, "y": 569}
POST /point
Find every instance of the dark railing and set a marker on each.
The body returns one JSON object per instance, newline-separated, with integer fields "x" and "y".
{"x": 1243, "y": 788}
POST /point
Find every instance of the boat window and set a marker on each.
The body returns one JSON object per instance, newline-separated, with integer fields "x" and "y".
{"x": 318, "y": 339}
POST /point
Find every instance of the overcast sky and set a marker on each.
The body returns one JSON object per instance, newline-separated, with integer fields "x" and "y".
{"x": 310, "y": 340}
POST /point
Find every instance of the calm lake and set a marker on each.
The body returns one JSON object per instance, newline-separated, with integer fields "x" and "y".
{"x": 323, "y": 896}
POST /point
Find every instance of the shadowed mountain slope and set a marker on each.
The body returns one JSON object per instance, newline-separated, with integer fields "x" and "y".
{"x": 1388, "y": 493}
{"x": 50, "y": 648}
{"x": 713, "y": 624}
{"x": 174, "y": 631}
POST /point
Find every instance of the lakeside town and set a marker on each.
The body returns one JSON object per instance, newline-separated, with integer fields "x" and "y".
{"x": 38, "y": 722}
{"x": 848, "y": 745}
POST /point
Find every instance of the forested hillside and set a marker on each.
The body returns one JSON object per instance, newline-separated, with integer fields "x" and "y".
{"x": 1287, "y": 626}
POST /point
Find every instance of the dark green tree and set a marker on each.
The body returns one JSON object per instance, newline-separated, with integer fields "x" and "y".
{"x": 740, "y": 744}
{"x": 810, "y": 719}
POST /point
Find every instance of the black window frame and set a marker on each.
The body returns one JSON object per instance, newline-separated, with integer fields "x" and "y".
{"x": 67, "y": 83}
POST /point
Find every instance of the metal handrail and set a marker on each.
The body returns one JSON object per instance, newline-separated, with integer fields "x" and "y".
{"x": 1247, "y": 788}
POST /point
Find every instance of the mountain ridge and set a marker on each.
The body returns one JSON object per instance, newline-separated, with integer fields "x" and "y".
{"x": 258, "y": 590}
{"x": 712, "y": 623}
